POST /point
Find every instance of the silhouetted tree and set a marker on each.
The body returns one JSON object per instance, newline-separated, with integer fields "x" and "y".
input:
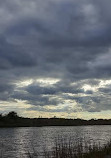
{"x": 12, "y": 115}
{"x": 1, "y": 117}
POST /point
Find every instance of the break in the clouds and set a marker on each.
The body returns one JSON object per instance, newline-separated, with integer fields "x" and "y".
{"x": 55, "y": 57}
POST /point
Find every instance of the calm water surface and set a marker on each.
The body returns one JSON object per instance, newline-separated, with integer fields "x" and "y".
{"x": 17, "y": 142}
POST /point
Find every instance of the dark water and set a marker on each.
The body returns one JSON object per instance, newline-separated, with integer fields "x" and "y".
{"x": 17, "y": 142}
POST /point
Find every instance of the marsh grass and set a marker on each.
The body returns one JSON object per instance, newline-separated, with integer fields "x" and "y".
{"x": 80, "y": 149}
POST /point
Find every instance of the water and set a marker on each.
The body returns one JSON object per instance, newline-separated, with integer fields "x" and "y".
{"x": 17, "y": 142}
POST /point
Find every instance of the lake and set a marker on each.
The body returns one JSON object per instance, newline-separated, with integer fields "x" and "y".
{"x": 17, "y": 142}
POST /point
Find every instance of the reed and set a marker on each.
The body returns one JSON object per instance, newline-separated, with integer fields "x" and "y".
{"x": 80, "y": 149}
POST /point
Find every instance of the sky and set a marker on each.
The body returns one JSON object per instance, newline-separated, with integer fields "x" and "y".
{"x": 55, "y": 58}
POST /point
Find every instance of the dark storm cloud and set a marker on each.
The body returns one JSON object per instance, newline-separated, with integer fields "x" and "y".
{"x": 24, "y": 26}
{"x": 5, "y": 91}
{"x": 12, "y": 56}
{"x": 37, "y": 95}
{"x": 67, "y": 40}
{"x": 5, "y": 88}
{"x": 57, "y": 88}
{"x": 37, "y": 100}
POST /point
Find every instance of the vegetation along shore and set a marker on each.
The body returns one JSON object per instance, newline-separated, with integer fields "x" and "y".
{"x": 75, "y": 150}
{"x": 13, "y": 120}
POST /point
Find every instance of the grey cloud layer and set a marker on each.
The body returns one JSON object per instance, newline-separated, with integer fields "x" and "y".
{"x": 65, "y": 39}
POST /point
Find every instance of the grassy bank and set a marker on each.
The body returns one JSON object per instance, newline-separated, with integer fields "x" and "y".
{"x": 76, "y": 150}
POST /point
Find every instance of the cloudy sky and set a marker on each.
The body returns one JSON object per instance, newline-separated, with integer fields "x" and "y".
{"x": 55, "y": 58}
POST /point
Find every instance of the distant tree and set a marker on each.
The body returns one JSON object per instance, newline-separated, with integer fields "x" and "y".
{"x": 12, "y": 114}
{"x": 1, "y": 116}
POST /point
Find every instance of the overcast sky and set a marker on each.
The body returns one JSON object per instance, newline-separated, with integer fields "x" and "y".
{"x": 55, "y": 58}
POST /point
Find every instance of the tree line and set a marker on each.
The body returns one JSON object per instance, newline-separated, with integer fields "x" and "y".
{"x": 13, "y": 120}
